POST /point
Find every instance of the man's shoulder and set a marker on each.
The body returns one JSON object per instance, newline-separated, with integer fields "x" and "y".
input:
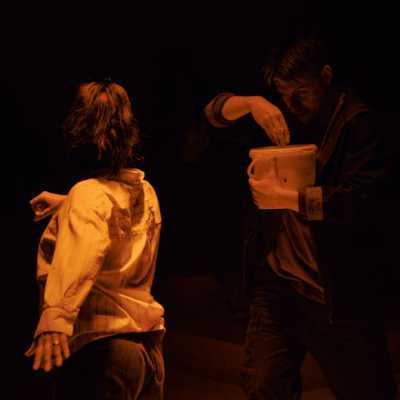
{"x": 356, "y": 113}
{"x": 354, "y": 104}
{"x": 359, "y": 125}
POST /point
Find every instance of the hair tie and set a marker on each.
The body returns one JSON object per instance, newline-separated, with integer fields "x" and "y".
{"x": 106, "y": 81}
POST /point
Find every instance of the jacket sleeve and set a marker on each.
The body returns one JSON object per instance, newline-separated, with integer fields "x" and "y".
{"x": 362, "y": 170}
{"x": 213, "y": 111}
{"x": 81, "y": 245}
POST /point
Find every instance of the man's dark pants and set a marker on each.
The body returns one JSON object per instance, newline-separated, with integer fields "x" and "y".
{"x": 284, "y": 325}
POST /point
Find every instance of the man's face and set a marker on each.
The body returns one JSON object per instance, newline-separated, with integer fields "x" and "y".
{"x": 303, "y": 96}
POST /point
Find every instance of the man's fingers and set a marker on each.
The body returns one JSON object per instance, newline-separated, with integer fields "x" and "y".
{"x": 282, "y": 128}
{"x": 276, "y": 128}
{"x": 285, "y": 130}
{"x": 64, "y": 345}
{"x": 269, "y": 127}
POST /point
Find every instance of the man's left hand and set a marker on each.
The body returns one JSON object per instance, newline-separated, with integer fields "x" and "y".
{"x": 268, "y": 194}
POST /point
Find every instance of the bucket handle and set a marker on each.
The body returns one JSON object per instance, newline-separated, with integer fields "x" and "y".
{"x": 250, "y": 171}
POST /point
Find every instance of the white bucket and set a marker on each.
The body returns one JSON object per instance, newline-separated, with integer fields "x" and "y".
{"x": 294, "y": 165}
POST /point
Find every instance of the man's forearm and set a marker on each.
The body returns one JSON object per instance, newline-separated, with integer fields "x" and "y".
{"x": 225, "y": 108}
{"x": 237, "y": 106}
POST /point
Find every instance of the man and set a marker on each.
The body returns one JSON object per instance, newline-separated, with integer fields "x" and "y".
{"x": 316, "y": 284}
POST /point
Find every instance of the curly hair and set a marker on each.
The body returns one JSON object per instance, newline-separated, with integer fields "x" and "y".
{"x": 101, "y": 115}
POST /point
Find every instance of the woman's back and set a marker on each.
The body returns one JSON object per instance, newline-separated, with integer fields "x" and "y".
{"x": 106, "y": 232}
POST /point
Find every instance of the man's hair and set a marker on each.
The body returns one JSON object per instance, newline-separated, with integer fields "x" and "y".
{"x": 101, "y": 118}
{"x": 301, "y": 56}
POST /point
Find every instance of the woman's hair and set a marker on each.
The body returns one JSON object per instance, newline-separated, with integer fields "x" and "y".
{"x": 101, "y": 120}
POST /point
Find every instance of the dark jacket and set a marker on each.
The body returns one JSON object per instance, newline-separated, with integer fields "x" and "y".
{"x": 350, "y": 170}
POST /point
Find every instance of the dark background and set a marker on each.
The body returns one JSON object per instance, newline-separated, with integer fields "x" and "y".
{"x": 171, "y": 64}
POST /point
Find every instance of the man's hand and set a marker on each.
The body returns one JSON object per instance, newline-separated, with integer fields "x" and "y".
{"x": 271, "y": 119}
{"x": 268, "y": 193}
{"x": 50, "y": 350}
{"x": 268, "y": 116}
{"x": 45, "y": 204}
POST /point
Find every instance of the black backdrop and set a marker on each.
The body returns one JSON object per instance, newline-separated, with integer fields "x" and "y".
{"x": 170, "y": 67}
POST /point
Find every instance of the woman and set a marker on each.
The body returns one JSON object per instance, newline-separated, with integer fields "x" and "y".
{"x": 96, "y": 262}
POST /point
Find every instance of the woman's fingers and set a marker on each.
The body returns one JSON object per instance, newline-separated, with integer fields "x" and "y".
{"x": 39, "y": 198}
{"x": 37, "y": 361}
{"x": 40, "y": 207}
{"x": 65, "y": 346}
{"x": 48, "y": 353}
{"x": 36, "y": 199}
{"x": 51, "y": 349}
{"x": 39, "y": 215}
{"x": 56, "y": 342}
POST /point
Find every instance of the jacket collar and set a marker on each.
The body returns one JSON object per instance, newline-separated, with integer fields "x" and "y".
{"x": 331, "y": 135}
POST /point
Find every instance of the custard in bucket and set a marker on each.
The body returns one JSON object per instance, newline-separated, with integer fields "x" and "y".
{"x": 294, "y": 165}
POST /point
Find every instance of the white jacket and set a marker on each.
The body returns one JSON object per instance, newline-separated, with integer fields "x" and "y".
{"x": 97, "y": 257}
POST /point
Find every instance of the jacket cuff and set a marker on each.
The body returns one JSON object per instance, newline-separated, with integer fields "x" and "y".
{"x": 55, "y": 319}
{"x": 311, "y": 204}
{"x": 213, "y": 112}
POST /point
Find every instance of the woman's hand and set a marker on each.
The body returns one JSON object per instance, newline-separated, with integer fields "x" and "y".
{"x": 45, "y": 204}
{"x": 50, "y": 350}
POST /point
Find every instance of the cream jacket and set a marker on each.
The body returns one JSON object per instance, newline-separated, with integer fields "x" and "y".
{"x": 97, "y": 258}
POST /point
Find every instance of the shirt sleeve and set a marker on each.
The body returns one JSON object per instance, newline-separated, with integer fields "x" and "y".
{"x": 213, "y": 111}
{"x": 81, "y": 245}
{"x": 362, "y": 170}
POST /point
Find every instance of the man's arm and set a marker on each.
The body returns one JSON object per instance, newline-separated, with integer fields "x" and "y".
{"x": 362, "y": 172}
{"x": 363, "y": 169}
{"x": 226, "y": 108}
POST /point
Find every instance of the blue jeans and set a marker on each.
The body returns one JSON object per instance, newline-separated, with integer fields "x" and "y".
{"x": 284, "y": 325}
{"x": 121, "y": 367}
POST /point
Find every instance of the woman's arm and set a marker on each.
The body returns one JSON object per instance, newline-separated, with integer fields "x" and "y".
{"x": 81, "y": 245}
{"x": 46, "y": 204}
